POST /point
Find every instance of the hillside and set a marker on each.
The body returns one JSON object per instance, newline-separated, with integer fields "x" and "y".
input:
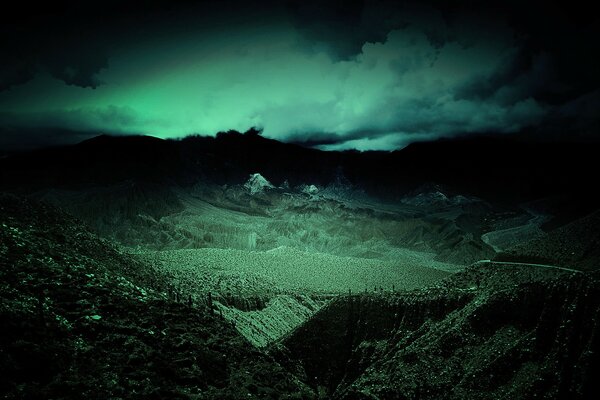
{"x": 490, "y": 332}
{"x": 575, "y": 245}
{"x": 82, "y": 319}
{"x": 268, "y": 294}
{"x": 332, "y": 220}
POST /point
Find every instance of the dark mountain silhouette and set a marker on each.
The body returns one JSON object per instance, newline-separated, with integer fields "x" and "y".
{"x": 499, "y": 168}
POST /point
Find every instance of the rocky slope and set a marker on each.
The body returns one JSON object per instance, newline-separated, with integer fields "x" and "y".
{"x": 490, "y": 332}
{"x": 267, "y": 294}
{"x": 80, "y": 319}
{"x": 575, "y": 245}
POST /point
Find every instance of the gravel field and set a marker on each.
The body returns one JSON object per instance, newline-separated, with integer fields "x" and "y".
{"x": 284, "y": 269}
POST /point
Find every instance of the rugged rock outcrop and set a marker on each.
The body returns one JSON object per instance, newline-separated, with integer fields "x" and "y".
{"x": 257, "y": 184}
{"x": 490, "y": 332}
{"x": 81, "y": 319}
{"x": 264, "y": 321}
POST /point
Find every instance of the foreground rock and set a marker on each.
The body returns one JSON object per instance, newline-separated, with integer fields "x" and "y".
{"x": 489, "y": 332}
{"x": 80, "y": 319}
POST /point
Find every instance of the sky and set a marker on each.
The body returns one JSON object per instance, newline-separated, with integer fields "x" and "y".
{"x": 336, "y": 75}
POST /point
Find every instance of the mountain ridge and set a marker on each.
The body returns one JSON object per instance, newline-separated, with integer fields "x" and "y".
{"x": 490, "y": 167}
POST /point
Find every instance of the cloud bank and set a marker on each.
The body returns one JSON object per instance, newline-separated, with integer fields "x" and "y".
{"x": 336, "y": 75}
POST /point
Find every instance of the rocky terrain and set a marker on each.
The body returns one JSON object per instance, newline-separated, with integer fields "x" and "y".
{"x": 268, "y": 294}
{"x": 82, "y": 319}
{"x": 244, "y": 191}
{"x": 140, "y": 268}
{"x": 493, "y": 331}
{"x": 574, "y": 245}
{"x": 140, "y": 215}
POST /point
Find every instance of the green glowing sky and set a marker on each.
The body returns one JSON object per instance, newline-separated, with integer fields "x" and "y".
{"x": 420, "y": 79}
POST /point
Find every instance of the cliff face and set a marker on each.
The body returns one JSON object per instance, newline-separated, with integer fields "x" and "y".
{"x": 262, "y": 322}
{"x": 490, "y": 332}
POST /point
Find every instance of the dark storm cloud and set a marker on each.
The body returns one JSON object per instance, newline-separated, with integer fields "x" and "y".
{"x": 568, "y": 33}
{"x": 342, "y": 27}
{"x": 48, "y": 128}
{"x": 18, "y": 139}
{"x": 561, "y": 36}
{"x": 324, "y": 139}
{"x": 315, "y": 139}
{"x": 520, "y": 76}
{"x": 552, "y": 60}
{"x": 73, "y": 40}
{"x": 120, "y": 119}
{"x": 335, "y": 74}
{"x": 51, "y": 40}
{"x": 76, "y": 66}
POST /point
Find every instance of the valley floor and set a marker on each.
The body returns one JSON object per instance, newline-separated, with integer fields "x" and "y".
{"x": 269, "y": 293}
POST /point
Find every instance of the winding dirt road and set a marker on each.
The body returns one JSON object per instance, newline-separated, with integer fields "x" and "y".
{"x": 529, "y": 265}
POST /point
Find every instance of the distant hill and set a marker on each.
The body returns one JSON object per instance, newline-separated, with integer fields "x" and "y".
{"x": 575, "y": 245}
{"x": 494, "y": 167}
{"x": 80, "y": 319}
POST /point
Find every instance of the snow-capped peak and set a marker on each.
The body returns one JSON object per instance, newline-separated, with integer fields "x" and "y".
{"x": 309, "y": 189}
{"x": 257, "y": 183}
